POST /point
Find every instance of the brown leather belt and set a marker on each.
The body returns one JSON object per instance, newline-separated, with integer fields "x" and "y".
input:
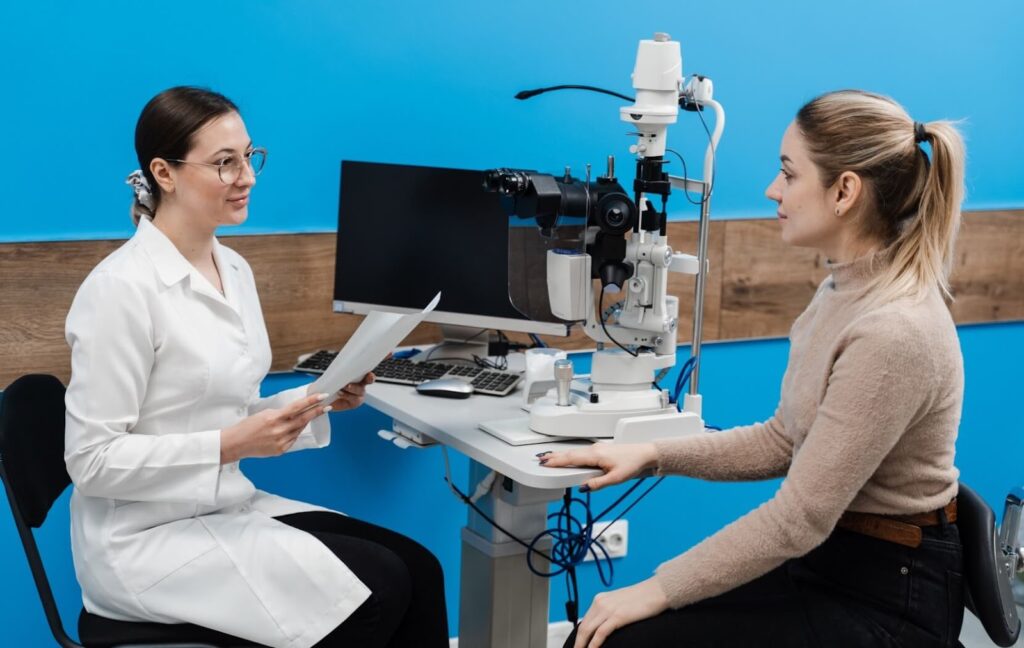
{"x": 901, "y": 529}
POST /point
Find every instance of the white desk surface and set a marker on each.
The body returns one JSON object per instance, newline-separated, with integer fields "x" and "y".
{"x": 453, "y": 422}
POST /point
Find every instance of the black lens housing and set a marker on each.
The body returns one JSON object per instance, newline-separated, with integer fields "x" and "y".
{"x": 603, "y": 203}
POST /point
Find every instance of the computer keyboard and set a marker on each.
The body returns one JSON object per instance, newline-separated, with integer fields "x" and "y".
{"x": 491, "y": 382}
{"x": 317, "y": 363}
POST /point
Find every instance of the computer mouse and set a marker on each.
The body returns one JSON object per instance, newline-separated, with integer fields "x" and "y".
{"x": 446, "y": 388}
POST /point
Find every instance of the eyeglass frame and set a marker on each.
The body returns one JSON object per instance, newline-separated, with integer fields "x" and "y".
{"x": 220, "y": 167}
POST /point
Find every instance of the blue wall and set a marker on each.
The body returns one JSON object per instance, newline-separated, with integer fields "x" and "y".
{"x": 432, "y": 84}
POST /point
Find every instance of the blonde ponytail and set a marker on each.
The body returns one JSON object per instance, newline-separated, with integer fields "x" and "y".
{"x": 923, "y": 253}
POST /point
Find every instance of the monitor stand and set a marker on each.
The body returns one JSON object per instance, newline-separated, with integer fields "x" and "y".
{"x": 460, "y": 343}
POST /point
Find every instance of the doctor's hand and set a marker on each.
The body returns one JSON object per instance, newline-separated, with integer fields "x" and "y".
{"x": 353, "y": 394}
{"x": 620, "y": 462}
{"x": 270, "y": 432}
{"x": 612, "y": 610}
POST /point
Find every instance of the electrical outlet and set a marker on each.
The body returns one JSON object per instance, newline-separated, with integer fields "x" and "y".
{"x": 613, "y": 537}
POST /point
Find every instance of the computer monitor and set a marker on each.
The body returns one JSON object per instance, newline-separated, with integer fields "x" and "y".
{"x": 406, "y": 232}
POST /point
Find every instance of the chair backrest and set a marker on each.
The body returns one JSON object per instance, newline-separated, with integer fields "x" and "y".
{"x": 33, "y": 471}
{"x": 989, "y": 595}
{"x": 32, "y": 444}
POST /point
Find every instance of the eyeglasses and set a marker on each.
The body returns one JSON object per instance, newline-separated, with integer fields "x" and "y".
{"x": 230, "y": 167}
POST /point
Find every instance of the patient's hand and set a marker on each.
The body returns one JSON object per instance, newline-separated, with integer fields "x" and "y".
{"x": 618, "y": 461}
{"x": 612, "y": 610}
{"x": 353, "y": 394}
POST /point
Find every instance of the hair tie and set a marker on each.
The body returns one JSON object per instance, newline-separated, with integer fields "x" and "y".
{"x": 920, "y": 135}
{"x": 140, "y": 186}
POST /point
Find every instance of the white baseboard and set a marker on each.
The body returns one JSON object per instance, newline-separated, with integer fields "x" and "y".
{"x": 558, "y": 632}
{"x": 972, "y": 636}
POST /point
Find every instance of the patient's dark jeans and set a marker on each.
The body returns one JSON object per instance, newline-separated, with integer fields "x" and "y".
{"x": 853, "y": 590}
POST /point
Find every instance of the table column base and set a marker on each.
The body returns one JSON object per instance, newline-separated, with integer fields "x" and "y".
{"x": 502, "y": 604}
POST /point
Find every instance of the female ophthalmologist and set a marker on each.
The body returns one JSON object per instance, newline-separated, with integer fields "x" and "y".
{"x": 168, "y": 350}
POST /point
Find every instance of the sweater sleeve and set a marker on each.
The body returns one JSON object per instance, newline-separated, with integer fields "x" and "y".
{"x": 750, "y": 452}
{"x": 879, "y": 383}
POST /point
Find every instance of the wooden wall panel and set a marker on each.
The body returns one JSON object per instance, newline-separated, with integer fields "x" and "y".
{"x": 683, "y": 238}
{"x": 37, "y": 283}
{"x": 988, "y": 277}
{"x": 756, "y": 287}
{"x": 765, "y": 284}
{"x": 294, "y": 276}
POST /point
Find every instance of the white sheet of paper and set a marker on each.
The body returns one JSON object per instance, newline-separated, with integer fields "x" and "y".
{"x": 376, "y": 337}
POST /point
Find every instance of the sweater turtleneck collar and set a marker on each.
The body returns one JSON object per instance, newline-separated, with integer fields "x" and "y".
{"x": 856, "y": 274}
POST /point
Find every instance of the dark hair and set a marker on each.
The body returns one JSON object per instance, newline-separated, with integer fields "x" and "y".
{"x": 165, "y": 129}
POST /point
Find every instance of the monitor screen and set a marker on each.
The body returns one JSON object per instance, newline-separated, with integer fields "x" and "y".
{"x": 407, "y": 232}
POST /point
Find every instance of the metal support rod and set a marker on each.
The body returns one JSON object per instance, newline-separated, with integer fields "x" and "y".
{"x": 701, "y": 281}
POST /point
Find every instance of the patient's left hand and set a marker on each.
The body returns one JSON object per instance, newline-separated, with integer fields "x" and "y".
{"x": 612, "y": 610}
{"x": 352, "y": 395}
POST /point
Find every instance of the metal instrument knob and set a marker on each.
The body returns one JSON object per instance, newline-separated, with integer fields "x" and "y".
{"x": 563, "y": 379}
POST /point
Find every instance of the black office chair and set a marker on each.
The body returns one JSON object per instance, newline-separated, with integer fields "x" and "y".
{"x": 992, "y": 559}
{"x": 32, "y": 469}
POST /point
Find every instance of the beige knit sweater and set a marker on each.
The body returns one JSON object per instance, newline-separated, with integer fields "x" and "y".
{"x": 867, "y": 421}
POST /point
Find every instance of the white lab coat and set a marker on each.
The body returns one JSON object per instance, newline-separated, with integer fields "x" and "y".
{"x": 160, "y": 363}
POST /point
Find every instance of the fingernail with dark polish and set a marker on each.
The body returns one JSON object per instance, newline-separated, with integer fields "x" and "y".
{"x": 541, "y": 454}
{"x": 584, "y": 488}
{"x": 543, "y": 461}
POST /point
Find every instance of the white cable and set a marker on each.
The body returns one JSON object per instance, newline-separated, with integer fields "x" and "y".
{"x": 482, "y": 488}
{"x": 709, "y": 154}
{"x": 448, "y": 474}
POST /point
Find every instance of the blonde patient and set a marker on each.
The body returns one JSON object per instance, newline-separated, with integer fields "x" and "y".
{"x": 865, "y": 428}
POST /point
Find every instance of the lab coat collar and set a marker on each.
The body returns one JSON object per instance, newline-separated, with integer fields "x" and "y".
{"x": 229, "y": 272}
{"x": 172, "y": 266}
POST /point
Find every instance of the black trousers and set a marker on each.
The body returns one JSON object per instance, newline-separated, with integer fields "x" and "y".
{"x": 853, "y": 590}
{"x": 406, "y": 605}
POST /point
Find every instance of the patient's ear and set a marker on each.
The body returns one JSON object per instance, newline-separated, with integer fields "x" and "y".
{"x": 848, "y": 188}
